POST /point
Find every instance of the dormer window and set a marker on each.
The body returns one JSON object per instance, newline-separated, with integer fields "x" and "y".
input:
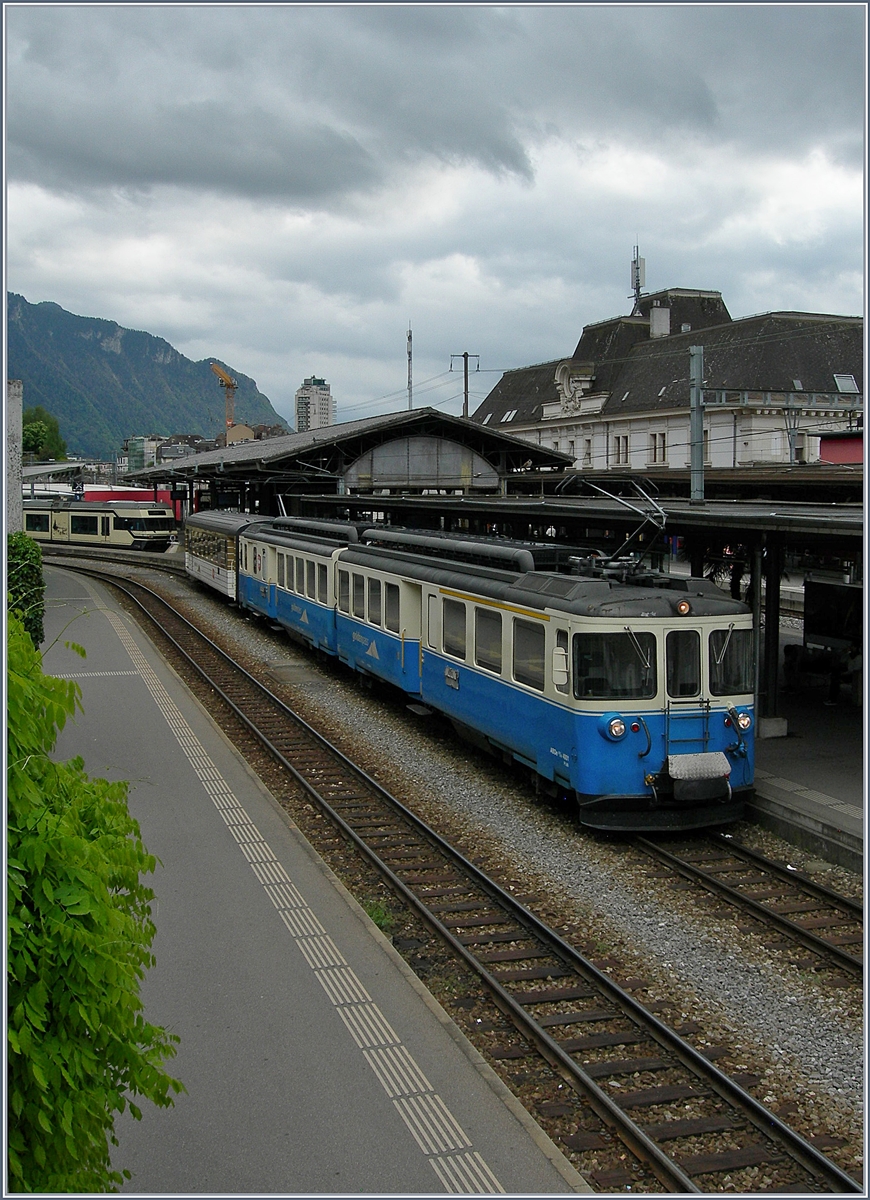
{"x": 509, "y": 416}
{"x": 846, "y": 385}
{"x": 486, "y": 420}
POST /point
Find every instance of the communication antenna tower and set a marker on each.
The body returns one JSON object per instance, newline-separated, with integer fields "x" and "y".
{"x": 410, "y": 375}
{"x": 638, "y": 278}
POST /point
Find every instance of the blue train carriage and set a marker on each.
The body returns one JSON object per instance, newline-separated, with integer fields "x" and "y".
{"x": 211, "y": 540}
{"x": 381, "y": 597}
{"x": 286, "y": 572}
{"x": 636, "y": 699}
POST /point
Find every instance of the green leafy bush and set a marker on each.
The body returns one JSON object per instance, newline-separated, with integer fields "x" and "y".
{"x": 79, "y": 938}
{"x": 25, "y": 585}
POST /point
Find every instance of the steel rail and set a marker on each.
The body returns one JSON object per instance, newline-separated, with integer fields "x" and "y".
{"x": 805, "y": 936}
{"x": 646, "y": 1150}
{"x": 789, "y": 875}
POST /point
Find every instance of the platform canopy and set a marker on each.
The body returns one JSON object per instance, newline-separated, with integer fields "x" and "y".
{"x": 421, "y": 449}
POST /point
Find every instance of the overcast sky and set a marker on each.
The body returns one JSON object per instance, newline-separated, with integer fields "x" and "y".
{"x": 285, "y": 187}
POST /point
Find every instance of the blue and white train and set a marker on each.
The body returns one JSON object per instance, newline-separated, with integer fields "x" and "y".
{"x": 629, "y": 690}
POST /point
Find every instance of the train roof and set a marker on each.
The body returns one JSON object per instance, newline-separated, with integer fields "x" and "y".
{"x": 99, "y": 505}
{"x": 221, "y": 521}
{"x": 655, "y": 596}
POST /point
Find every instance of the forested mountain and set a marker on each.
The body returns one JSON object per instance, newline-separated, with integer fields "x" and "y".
{"x": 105, "y": 383}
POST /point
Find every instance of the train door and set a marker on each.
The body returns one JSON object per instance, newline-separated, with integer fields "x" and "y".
{"x": 60, "y": 525}
{"x": 105, "y": 527}
{"x": 687, "y": 709}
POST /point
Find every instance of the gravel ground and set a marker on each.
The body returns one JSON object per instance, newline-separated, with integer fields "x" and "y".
{"x": 788, "y": 1024}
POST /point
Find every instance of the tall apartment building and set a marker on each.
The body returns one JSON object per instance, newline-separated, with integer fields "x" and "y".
{"x": 315, "y": 406}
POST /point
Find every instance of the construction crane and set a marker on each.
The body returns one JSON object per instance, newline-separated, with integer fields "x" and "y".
{"x": 227, "y": 381}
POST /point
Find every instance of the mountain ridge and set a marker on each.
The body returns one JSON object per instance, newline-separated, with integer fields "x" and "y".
{"x": 105, "y": 382}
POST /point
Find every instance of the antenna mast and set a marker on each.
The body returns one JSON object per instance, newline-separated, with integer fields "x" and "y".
{"x": 410, "y": 375}
{"x": 638, "y": 278}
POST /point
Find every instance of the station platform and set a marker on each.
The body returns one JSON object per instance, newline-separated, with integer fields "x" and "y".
{"x": 811, "y": 785}
{"x": 314, "y": 1061}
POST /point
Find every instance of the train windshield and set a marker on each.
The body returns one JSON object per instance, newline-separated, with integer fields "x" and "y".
{"x": 731, "y": 667}
{"x": 684, "y": 662}
{"x": 615, "y": 666}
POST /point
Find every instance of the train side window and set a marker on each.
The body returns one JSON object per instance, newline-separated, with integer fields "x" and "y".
{"x": 82, "y": 524}
{"x": 529, "y": 654}
{"x": 359, "y": 596}
{"x": 432, "y": 622}
{"x": 487, "y": 639}
{"x": 561, "y": 678}
{"x": 731, "y": 667}
{"x": 375, "y": 601}
{"x": 453, "y": 631}
{"x": 344, "y": 591}
{"x": 300, "y": 576}
{"x": 615, "y": 666}
{"x": 280, "y": 569}
{"x": 322, "y": 591}
{"x": 311, "y": 576}
{"x": 391, "y": 606}
{"x": 36, "y": 522}
{"x": 104, "y": 526}
{"x": 684, "y": 662}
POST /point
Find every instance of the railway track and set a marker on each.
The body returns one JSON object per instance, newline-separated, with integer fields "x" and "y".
{"x": 809, "y": 914}
{"x": 684, "y": 1121}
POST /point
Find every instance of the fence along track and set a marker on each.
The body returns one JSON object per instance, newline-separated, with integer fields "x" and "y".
{"x": 540, "y": 982}
{"x": 829, "y": 923}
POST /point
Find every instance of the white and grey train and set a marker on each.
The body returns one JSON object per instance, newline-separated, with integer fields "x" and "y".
{"x": 130, "y": 524}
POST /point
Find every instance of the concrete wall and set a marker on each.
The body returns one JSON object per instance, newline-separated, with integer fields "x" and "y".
{"x": 14, "y": 408}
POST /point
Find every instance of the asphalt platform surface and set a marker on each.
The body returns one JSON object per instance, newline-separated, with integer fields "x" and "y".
{"x": 314, "y": 1061}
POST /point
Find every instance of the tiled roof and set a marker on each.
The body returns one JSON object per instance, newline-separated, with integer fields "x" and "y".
{"x": 778, "y": 352}
{"x": 784, "y": 351}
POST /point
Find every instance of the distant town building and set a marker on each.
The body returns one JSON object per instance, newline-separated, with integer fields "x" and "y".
{"x": 315, "y": 406}
{"x": 142, "y": 451}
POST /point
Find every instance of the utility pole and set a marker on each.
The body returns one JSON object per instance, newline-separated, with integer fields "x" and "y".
{"x": 465, "y": 357}
{"x": 410, "y": 377}
{"x": 696, "y": 423}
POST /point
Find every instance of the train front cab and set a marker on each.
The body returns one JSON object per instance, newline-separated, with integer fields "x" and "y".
{"x": 665, "y": 718}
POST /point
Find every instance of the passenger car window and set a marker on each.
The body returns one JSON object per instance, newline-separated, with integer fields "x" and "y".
{"x": 280, "y": 570}
{"x": 375, "y": 601}
{"x": 300, "y": 576}
{"x": 359, "y": 596}
{"x": 311, "y": 573}
{"x": 322, "y": 589}
{"x": 487, "y": 639}
{"x": 453, "y": 631}
{"x": 529, "y": 653}
{"x": 344, "y": 591}
{"x": 391, "y": 605}
{"x": 36, "y": 522}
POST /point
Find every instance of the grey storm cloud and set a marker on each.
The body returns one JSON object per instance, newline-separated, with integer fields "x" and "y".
{"x": 312, "y": 104}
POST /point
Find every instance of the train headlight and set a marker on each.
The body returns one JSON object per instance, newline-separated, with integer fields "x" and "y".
{"x": 612, "y": 726}
{"x": 744, "y": 720}
{"x": 684, "y": 608}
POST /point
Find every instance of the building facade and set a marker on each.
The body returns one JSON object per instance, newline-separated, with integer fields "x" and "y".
{"x": 771, "y": 386}
{"x": 315, "y": 405}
